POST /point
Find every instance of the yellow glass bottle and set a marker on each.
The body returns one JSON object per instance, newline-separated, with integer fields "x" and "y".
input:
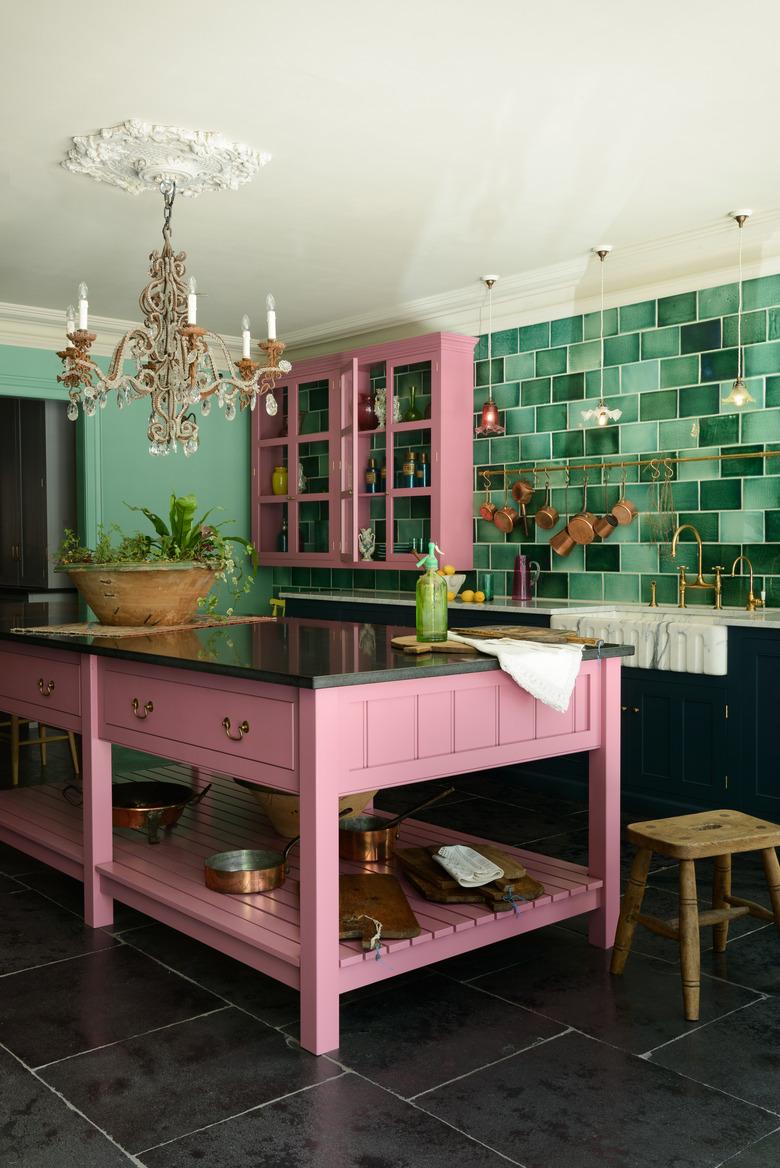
{"x": 279, "y": 480}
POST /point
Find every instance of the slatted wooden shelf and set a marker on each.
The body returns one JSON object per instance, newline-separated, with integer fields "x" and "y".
{"x": 166, "y": 880}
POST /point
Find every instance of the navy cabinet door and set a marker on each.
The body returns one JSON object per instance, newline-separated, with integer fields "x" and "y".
{"x": 754, "y": 708}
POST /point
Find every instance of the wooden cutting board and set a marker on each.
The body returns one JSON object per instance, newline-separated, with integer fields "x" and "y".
{"x": 437, "y": 884}
{"x": 528, "y": 633}
{"x": 487, "y": 894}
{"x": 412, "y": 645}
{"x": 377, "y": 896}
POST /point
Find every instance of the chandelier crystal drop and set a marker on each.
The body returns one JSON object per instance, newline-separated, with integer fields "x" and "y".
{"x": 171, "y": 358}
{"x": 602, "y": 415}
{"x": 739, "y": 394}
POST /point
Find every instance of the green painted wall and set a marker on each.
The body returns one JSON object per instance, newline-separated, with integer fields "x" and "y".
{"x": 115, "y": 466}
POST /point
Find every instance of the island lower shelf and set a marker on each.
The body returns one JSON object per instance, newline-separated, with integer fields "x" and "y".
{"x": 165, "y": 881}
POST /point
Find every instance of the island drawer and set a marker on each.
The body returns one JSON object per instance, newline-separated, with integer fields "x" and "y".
{"x": 49, "y": 681}
{"x": 234, "y": 722}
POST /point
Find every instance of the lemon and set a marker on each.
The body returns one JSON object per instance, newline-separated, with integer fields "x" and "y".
{"x": 479, "y": 597}
{"x": 450, "y": 595}
{"x": 440, "y": 572}
{"x": 468, "y": 596}
{"x": 449, "y": 570}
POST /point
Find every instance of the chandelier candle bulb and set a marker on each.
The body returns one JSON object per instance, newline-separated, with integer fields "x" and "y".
{"x": 245, "y": 338}
{"x": 70, "y": 323}
{"x": 270, "y": 305}
{"x": 192, "y": 302}
{"x": 83, "y": 307}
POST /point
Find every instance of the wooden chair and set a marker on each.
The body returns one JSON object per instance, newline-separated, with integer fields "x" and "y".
{"x": 687, "y": 838}
{"x": 11, "y": 730}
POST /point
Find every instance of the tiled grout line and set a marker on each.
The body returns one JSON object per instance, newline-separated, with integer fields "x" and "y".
{"x": 719, "y": 1090}
{"x": 494, "y": 1063}
{"x": 58, "y": 961}
{"x": 648, "y": 1054}
{"x": 239, "y": 1114}
{"x": 747, "y": 1147}
{"x": 58, "y": 1094}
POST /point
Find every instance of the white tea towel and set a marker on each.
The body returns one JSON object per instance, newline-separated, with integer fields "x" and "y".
{"x": 548, "y": 672}
{"x": 469, "y": 868}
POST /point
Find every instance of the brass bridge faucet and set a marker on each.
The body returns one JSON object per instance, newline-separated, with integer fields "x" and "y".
{"x": 684, "y": 583}
{"x": 753, "y": 602}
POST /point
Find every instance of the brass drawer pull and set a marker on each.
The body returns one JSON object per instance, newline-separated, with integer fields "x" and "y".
{"x": 243, "y": 728}
{"x": 148, "y": 709}
{"x": 629, "y": 709}
{"x": 47, "y": 689}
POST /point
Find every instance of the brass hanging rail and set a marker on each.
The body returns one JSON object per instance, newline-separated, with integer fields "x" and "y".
{"x": 569, "y": 463}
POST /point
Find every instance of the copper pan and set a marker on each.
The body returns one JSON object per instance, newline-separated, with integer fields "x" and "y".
{"x": 145, "y": 805}
{"x": 546, "y": 515}
{"x": 487, "y": 509}
{"x": 582, "y": 526}
{"x": 371, "y": 838}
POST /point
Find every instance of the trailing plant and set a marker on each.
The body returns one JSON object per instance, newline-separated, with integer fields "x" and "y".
{"x": 180, "y": 539}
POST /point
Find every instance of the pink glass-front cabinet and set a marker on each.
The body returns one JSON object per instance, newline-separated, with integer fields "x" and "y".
{"x": 404, "y": 470}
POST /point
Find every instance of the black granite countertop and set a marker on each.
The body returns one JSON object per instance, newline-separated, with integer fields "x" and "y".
{"x": 306, "y": 653}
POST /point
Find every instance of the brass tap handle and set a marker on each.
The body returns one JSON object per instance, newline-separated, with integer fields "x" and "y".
{"x": 653, "y": 594}
{"x": 243, "y": 728}
{"x": 46, "y": 689}
{"x": 682, "y": 584}
{"x": 148, "y": 709}
{"x": 718, "y": 569}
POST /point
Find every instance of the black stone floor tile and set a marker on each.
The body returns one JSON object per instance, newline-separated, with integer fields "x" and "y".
{"x": 561, "y": 976}
{"x": 764, "y": 1153}
{"x": 576, "y": 1102}
{"x": 33, "y": 931}
{"x": 346, "y": 1123}
{"x": 747, "y": 877}
{"x": 159, "y": 1086}
{"x": 506, "y": 788}
{"x": 8, "y": 884}
{"x": 261, "y": 996}
{"x": 738, "y": 1054}
{"x": 753, "y": 960}
{"x": 38, "y": 1130}
{"x": 572, "y": 845}
{"x": 398, "y": 799}
{"x": 15, "y": 863}
{"x": 411, "y": 1038}
{"x": 60, "y": 1010}
{"x": 504, "y": 822}
{"x": 69, "y": 893}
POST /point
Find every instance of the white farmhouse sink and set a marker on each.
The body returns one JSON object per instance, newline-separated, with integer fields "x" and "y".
{"x": 660, "y": 641}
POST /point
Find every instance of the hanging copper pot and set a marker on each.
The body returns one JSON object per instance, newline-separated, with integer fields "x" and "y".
{"x": 582, "y": 526}
{"x": 487, "y": 509}
{"x": 546, "y": 515}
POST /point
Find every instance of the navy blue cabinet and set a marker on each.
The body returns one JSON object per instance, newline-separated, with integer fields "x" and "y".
{"x": 754, "y": 717}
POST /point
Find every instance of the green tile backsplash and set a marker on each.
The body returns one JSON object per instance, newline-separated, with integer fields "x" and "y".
{"x": 669, "y": 364}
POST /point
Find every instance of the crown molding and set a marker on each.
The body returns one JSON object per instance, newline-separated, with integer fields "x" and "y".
{"x": 683, "y": 262}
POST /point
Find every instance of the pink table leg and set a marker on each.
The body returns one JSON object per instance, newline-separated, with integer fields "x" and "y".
{"x": 96, "y": 765}
{"x": 320, "y": 751}
{"x": 604, "y": 808}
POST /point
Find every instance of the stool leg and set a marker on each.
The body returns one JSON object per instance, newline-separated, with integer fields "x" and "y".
{"x": 42, "y": 744}
{"x": 772, "y": 872}
{"x": 690, "y": 955}
{"x": 14, "y": 750}
{"x": 721, "y": 888}
{"x": 74, "y": 754}
{"x": 632, "y": 903}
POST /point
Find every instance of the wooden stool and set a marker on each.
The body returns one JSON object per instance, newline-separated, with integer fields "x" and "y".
{"x": 688, "y": 838}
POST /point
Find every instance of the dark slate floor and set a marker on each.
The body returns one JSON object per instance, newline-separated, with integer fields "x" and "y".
{"x": 136, "y": 1045}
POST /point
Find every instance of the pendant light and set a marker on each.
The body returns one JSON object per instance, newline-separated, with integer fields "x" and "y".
{"x": 739, "y": 394}
{"x": 490, "y": 416}
{"x": 601, "y": 414}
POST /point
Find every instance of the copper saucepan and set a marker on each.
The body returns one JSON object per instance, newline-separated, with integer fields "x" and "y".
{"x": 145, "y": 806}
{"x": 506, "y": 518}
{"x": 523, "y": 493}
{"x": 487, "y": 509}
{"x": 582, "y": 526}
{"x": 546, "y": 515}
{"x": 371, "y": 838}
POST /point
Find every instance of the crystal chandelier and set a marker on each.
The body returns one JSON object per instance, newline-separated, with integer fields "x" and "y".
{"x": 171, "y": 358}
{"x": 602, "y": 415}
{"x": 739, "y": 394}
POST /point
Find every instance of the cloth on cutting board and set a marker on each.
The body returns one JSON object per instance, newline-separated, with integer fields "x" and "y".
{"x": 469, "y": 868}
{"x": 548, "y": 672}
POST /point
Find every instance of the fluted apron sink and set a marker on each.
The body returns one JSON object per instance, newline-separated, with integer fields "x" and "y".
{"x": 660, "y": 641}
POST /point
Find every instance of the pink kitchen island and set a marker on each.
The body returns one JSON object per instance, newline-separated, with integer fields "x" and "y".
{"x": 321, "y": 709}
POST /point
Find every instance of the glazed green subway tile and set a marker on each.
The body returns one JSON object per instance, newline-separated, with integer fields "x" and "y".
{"x": 686, "y": 494}
{"x": 602, "y": 557}
{"x": 521, "y": 421}
{"x": 662, "y": 342}
{"x": 622, "y": 349}
{"x": 666, "y": 588}
{"x": 762, "y": 359}
{"x": 761, "y": 427}
{"x": 598, "y": 385}
{"x": 549, "y": 361}
{"x": 694, "y": 338}
{"x": 733, "y": 467}
{"x": 551, "y": 417}
{"x": 718, "y": 365}
{"x": 660, "y": 404}
{"x": 761, "y": 292}
{"x": 675, "y": 435}
{"x": 628, "y": 404}
{"x": 753, "y": 329}
{"x": 481, "y": 371}
{"x": 772, "y": 464}
{"x": 568, "y": 387}
{"x": 765, "y": 557}
{"x": 676, "y": 309}
{"x": 721, "y": 495}
{"x": 697, "y": 400}
{"x": 569, "y": 444}
{"x": 679, "y": 371}
{"x": 505, "y": 342}
{"x": 719, "y": 300}
{"x": 567, "y": 331}
{"x": 639, "y": 377}
{"x": 519, "y": 366}
{"x": 639, "y": 557}
{"x": 623, "y": 587}
{"x": 553, "y": 585}
{"x": 507, "y": 396}
{"x": 773, "y": 324}
{"x": 638, "y": 316}
{"x": 586, "y": 586}
{"x": 480, "y": 353}
{"x": 709, "y": 468}
{"x": 772, "y": 392}
{"x": 534, "y": 336}
{"x": 592, "y": 324}
{"x": 535, "y": 392}
{"x": 489, "y": 533}
{"x": 502, "y": 557}
{"x": 742, "y": 526}
{"x": 719, "y": 430}
{"x": 706, "y": 522}
{"x": 772, "y": 533}
{"x": 504, "y": 450}
{"x": 481, "y": 450}
{"x": 638, "y": 437}
{"x": 584, "y": 356}
{"x": 573, "y": 563}
{"x": 535, "y": 446}
{"x": 602, "y": 440}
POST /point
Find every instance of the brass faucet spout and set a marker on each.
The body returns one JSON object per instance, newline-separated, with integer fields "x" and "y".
{"x": 700, "y": 581}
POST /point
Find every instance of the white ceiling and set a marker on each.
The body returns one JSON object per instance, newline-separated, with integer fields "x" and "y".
{"x": 415, "y": 144}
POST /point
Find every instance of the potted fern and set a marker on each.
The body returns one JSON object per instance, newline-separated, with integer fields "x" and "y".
{"x": 162, "y": 578}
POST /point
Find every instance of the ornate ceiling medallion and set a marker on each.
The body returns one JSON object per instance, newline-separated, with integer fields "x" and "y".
{"x": 137, "y": 156}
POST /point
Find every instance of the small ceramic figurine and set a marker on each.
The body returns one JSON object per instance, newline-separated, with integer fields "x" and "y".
{"x": 380, "y": 407}
{"x": 366, "y": 543}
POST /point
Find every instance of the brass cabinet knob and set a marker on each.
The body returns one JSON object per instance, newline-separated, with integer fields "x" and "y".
{"x": 46, "y": 689}
{"x": 148, "y": 709}
{"x": 629, "y": 709}
{"x": 243, "y": 728}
